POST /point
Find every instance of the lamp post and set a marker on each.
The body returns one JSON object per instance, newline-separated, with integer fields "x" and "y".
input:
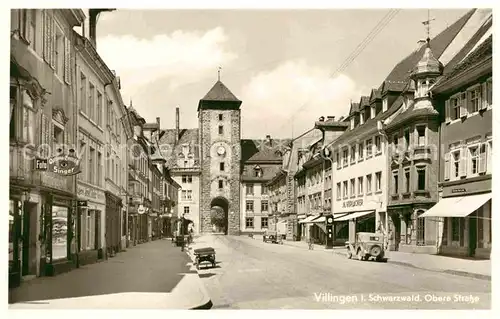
{"x": 325, "y": 153}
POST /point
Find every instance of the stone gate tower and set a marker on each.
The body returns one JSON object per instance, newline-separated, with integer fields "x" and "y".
{"x": 220, "y": 155}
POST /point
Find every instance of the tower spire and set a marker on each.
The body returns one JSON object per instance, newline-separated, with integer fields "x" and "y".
{"x": 218, "y": 73}
{"x": 427, "y": 24}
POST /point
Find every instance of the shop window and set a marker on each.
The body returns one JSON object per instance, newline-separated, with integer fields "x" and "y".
{"x": 264, "y": 222}
{"x": 249, "y": 222}
{"x": 59, "y": 232}
{"x": 89, "y": 229}
{"x": 249, "y": 205}
{"x": 455, "y": 229}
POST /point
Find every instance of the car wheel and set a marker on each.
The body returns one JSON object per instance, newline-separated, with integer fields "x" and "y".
{"x": 359, "y": 255}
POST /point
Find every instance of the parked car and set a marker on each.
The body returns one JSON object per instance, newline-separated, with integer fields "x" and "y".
{"x": 272, "y": 237}
{"x": 366, "y": 246}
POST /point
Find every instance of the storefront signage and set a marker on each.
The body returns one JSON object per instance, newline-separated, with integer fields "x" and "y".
{"x": 89, "y": 192}
{"x": 479, "y": 184}
{"x": 458, "y": 190}
{"x": 41, "y": 164}
{"x": 352, "y": 203}
{"x": 54, "y": 181}
{"x": 64, "y": 165}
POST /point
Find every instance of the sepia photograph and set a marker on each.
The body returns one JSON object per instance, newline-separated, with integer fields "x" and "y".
{"x": 252, "y": 158}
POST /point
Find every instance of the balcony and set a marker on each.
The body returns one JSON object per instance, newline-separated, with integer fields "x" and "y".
{"x": 421, "y": 152}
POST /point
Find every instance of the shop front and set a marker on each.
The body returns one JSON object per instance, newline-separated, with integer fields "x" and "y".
{"x": 464, "y": 216}
{"x": 91, "y": 209}
{"x": 360, "y": 216}
{"x": 113, "y": 223}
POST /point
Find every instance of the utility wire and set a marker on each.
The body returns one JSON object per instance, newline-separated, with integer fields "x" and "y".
{"x": 356, "y": 52}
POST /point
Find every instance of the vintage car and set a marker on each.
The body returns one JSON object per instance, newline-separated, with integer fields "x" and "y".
{"x": 366, "y": 246}
{"x": 272, "y": 237}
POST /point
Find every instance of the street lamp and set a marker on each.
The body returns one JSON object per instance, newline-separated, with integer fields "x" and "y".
{"x": 325, "y": 153}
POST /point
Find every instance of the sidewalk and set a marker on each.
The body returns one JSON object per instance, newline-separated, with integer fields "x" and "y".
{"x": 480, "y": 269}
{"x": 151, "y": 275}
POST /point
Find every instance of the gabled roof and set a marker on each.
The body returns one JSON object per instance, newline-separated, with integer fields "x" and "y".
{"x": 263, "y": 151}
{"x": 484, "y": 51}
{"x": 411, "y": 112}
{"x": 354, "y": 108}
{"x": 438, "y": 44}
{"x": 374, "y": 95}
{"x": 364, "y": 101}
{"x": 170, "y": 149}
{"x": 392, "y": 86}
{"x": 220, "y": 92}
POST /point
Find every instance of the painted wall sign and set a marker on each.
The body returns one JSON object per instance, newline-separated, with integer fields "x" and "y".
{"x": 458, "y": 190}
{"x": 352, "y": 203}
{"x": 64, "y": 165}
{"x": 90, "y": 193}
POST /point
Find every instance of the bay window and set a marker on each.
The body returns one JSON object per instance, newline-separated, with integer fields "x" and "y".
{"x": 421, "y": 139}
{"x": 22, "y": 116}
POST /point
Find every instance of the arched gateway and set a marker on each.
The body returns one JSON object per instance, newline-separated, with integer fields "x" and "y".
{"x": 219, "y": 214}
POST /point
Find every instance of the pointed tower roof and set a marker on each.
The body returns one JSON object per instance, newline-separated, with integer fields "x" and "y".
{"x": 428, "y": 64}
{"x": 219, "y": 97}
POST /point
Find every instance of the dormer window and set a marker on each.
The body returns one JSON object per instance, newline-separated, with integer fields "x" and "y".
{"x": 372, "y": 111}
{"x": 257, "y": 171}
{"x": 361, "y": 118}
{"x": 352, "y": 123}
{"x": 385, "y": 103}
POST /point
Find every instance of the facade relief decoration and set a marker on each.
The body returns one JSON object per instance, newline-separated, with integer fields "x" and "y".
{"x": 59, "y": 116}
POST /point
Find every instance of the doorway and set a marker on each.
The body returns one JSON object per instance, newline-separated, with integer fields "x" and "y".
{"x": 28, "y": 239}
{"x": 219, "y": 208}
{"x": 473, "y": 235}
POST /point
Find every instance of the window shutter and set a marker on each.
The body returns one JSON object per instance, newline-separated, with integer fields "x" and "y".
{"x": 67, "y": 61}
{"x": 447, "y": 166}
{"x": 45, "y": 30}
{"x": 463, "y": 162}
{"x": 52, "y": 48}
{"x": 447, "y": 111}
{"x": 463, "y": 104}
{"x": 482, "y": 157}
{"x": 484, "y": 96}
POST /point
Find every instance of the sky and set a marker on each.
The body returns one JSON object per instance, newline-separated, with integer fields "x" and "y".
{"x": 289, "y": 67}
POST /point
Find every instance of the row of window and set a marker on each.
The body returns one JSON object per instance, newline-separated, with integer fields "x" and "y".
{"x": 249, "y": 206}
{"x": 249, "y": 222}
{"x": 348, "y": 189}
{"x": 468, "y": 161}
{"x": 249, "y": 189}
{"x": 476, "y": 98}
{"x": 91, "y": 100}
{"x": 421, "y": 180}
{"x": 187, "y": 194}
{"x": 357, "y": 151}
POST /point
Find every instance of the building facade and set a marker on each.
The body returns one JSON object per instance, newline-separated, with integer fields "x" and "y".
{"x": 42, "y": 126}
{"x": 465, "y": 96}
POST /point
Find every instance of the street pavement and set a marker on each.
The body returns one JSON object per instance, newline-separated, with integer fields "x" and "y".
{"x": 150, "y": 275}
{"x": 251, "y": 274}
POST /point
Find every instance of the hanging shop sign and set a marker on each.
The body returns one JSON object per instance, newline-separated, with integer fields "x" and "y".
{"x": 62, "y": 165}
{"x": 141, "y": 210}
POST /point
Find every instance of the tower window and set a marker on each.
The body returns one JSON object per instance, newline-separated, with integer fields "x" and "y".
{"x": 221, "y": 129}
{"x": 221, "y": 166}
{"x": 221, "y": 184}
{"x": 220, "y": 117}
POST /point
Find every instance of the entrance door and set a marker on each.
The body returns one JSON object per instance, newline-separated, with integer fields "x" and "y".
{"x": 472, "y": 234}
{"x": 25, "y": 239}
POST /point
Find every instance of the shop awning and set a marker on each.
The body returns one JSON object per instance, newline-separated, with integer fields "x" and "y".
{"x": 308, "y": 219}
{"x": 355, "y": 215}
{"x": 320, "y": 219}
{"x": 460, "y": 206}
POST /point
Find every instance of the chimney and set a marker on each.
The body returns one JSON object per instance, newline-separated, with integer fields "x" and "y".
{"x": 268, "y": 139}
{"x": 158, "y": 122}
{"x": 93, "y": 13}
{"x": 321, "y": 118}
{"x": 331, "y": 118}
{"x": 176, "y": 123}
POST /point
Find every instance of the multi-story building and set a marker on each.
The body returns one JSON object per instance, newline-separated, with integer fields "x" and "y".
{"x": 138, "y": 181}
{"x": 278, "y": 202}
{"x": 180, "y": 147}
{"x": 41, "y": 196}
{"x": 261, "y": 160}
{"x": 413, "y": 160}
{"x": 169, "y": 201}
{"x": 464, "y": 96}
